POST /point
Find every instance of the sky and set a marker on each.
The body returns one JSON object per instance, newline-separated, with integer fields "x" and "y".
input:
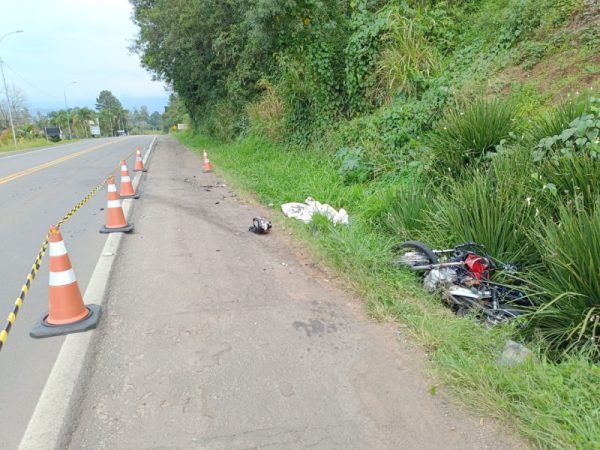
{"x": 74, "y": 40}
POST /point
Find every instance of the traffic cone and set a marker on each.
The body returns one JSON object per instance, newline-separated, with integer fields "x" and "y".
{"x": 126, "y": 186}
{"x": 207, "y": 166}
{"x": 139, "y": 163}
{"x": 115, "y": 219}
{"x": 66, "y": 311}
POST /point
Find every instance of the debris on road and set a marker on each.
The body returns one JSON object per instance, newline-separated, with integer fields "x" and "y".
{"x": 261, "y": 225}
{"x": 305, "y": 211}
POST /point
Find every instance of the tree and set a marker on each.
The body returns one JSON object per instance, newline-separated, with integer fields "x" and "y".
{"x": 139, "y": 120}
{"x": 19, "y": 109}
{"x": 81, "y": 118}
{"x": 175, "y": 112}
{"x": 155, "y": 120}
{"x": 58, "y": 118}
{"x": 41, "y": 120}
{"x": 113, "y": 116}
{"x": 215, "y": 54}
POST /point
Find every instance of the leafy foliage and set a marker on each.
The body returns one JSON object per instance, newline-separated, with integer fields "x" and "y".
{"x": 353, "y": 166}
{"x": 554, "y": 122}
{"x": 581, "y": 136}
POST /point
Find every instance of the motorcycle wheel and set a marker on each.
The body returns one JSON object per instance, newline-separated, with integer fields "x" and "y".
{"x": 414, "y": 253}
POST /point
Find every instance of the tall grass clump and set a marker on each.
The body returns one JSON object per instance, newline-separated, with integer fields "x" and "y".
{"x": 464, "y": 136}
{"x": 407, "y": 60}
{"x": 554, "y": 121}
{"x": 482, "y": 211}
{"x": 576, "y": 178}
{"x": 569, "y": 317}
{"x": 569, "y": 160}
{"x": 408, "y": 210}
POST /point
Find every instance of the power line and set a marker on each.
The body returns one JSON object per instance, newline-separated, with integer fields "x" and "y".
{"x": 30, "y": 83}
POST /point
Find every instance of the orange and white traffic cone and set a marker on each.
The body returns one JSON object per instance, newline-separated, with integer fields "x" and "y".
{"x": 127, "y": 190}
{"x": 139, "y": 163}
{"x": 66, "y": 311}
{"x": 115, "y": 219}
{"x": 207, "y": 166}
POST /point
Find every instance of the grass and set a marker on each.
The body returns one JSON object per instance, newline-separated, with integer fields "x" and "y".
{"x": 571, "y": 319}
{"x": 556, "y": 120}
{"x": 498, "y": 217}
{"x": 554, "y": 405}
{"x": 33, "y": 143}
{"x": 467, "y": 134}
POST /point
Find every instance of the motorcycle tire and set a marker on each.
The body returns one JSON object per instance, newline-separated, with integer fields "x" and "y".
{"x": 424, "y": 249}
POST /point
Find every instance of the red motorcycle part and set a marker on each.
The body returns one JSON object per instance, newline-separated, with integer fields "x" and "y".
{"x": 478, "y": 266}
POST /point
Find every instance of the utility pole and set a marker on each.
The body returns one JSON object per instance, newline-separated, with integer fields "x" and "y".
{"x": 67, "y": 108}
{"x": 10, "y": 117}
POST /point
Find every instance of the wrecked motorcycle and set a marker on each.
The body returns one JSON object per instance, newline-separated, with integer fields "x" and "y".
{"x": 463, "y": 274}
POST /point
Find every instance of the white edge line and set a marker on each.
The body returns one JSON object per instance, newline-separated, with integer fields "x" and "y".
{"x": 55, "y": 414}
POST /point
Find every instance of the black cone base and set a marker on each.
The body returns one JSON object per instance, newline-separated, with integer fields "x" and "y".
{"x": 126, "y": 229}
{"x": 42, "y": 329}
{"x": 136, "y": 195}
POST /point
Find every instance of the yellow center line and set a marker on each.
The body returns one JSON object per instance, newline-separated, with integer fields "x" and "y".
{"x": 54, "y": 162}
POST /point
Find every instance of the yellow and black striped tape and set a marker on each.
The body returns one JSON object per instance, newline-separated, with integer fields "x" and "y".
{"x": 12, "y": 316}
{"x": 24, "y": 290}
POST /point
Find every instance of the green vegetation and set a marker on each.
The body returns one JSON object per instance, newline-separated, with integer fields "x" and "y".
{"x": 441, "y": 121}
{"x": 26, "y": 144}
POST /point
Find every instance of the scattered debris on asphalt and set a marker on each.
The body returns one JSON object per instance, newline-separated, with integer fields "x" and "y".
{"x": 305, "y": 211}
{"x": 261, "y": 225}
{"x": 206, "y": 187}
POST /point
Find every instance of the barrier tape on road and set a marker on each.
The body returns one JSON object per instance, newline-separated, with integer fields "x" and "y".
{"x": 24, "y": 290}
{"x": 12, "y": 317}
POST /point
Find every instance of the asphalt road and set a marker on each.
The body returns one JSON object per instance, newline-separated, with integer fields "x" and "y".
{"x": 36, "y": 189}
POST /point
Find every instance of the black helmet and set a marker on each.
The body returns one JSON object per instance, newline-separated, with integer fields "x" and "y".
{"x": 261, "y": 225}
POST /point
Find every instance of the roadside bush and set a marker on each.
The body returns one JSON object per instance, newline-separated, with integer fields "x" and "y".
{"x": 407, "y": 61}
{"x": 393, "y": 135}
{"x": 224, "y": 122}
{"x": 466, "y": 135}
{"x": 581, "y": 135}
{"x": 354, "y": 168}
{"x": 266, "y": 115}
{"x": 569, "y": 286}
{"x": 5, "y": 136}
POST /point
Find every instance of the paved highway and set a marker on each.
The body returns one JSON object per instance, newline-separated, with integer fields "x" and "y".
{"x": 37, "y": 188}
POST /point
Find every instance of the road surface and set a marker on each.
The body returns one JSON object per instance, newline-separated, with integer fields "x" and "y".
{"x": 37, "y": 188}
